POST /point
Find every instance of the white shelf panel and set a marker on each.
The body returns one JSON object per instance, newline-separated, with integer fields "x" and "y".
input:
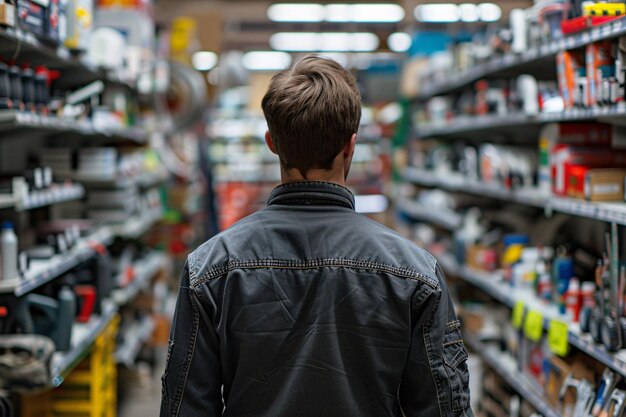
{"x": 444, "y": 218}
{"x": 607, "y": 212}
{"x": 43, "y": 272}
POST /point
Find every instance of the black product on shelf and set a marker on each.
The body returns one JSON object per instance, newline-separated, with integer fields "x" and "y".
{"x": 31, "y": 16}
{"x": 54, "y": 318}
{"x": 42, "y": 94}
{"x": 5, "y": 87}
{"x": 53, "y": 18}
{"x": 15, "y": 78}
{"x": 28, "y": 89}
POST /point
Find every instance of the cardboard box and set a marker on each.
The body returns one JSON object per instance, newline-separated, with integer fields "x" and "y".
{"x": 7, "y": 15}
{"x": 604, "y": 185}
{"x": 565, "y": 159}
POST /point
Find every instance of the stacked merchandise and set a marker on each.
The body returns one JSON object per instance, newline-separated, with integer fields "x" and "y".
{"x": 516, "y": 182}
{"x": 80, "y": 186}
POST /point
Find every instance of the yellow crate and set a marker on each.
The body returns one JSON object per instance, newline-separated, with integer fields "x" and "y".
{"x": 91, "y": 390}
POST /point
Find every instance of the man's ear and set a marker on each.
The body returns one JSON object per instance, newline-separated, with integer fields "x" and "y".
{"x": 348, "y": 150}
{"x": 270, "y": 142}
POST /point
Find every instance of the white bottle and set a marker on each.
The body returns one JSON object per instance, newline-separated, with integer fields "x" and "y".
{"x": 8, "y": 251}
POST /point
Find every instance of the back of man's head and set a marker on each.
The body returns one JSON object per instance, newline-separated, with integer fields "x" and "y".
{"x": 312, "y": 111}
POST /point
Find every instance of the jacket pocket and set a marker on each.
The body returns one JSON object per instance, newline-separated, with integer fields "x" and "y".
{"x": 455, "y": 359}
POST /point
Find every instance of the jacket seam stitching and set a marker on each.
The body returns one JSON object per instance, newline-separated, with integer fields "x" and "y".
{"x": 220, "y": 270}
{"x": 427, "y": 345}
{"x": 191, "y": 347}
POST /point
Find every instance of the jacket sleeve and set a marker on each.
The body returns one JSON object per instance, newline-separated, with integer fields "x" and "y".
{"x": 436, "y": 379}
{"x": 192, "y": 381}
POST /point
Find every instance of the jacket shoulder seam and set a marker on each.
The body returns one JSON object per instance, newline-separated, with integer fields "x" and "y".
{"x": 218, "y": 271}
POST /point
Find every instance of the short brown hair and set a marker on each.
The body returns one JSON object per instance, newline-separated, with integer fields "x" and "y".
{"x": 312, "y": 109}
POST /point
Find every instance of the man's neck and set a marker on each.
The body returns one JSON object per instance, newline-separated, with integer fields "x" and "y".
{"x": 294, "y": 175}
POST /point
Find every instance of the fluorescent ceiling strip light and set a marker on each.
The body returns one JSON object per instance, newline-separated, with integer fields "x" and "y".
{"x": 266, "y": 60}
{"x": 324, "y": 42}
{"x": 451, "y": 13}
{"x": 296, "y": 12}
{"x": 337, "y": 12}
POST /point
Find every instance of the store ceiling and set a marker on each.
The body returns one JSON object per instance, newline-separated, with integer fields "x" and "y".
{"x": 246, "y": 26}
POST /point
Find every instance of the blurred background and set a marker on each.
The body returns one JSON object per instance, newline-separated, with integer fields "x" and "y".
{"x": 492, "y": 135}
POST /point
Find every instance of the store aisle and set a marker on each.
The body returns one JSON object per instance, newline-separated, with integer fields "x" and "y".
{"x": 140, "y": 390}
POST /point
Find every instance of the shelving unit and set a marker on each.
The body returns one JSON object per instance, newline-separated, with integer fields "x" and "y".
{"x": 144, "y": 271}
{"x": 35, "y": 123}
{"x": 443, "y": 218}
{"x": 607, "y": 212}
{"x": 492, "y": 285}
{"x": 60, "y": 193}
{"x": 531, "y": 61}
{"x": 138, "y": 334}
{"x": 505, "y": 366}
{"x": 41, "y": 273}
{"x": 521, "y": 124}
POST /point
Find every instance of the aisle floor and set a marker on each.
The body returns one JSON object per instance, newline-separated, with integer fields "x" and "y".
{"x": 140, "y": 394}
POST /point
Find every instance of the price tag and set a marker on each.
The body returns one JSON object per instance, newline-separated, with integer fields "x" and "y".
{"x": 518, "y": 315}
{"x": 557, "y": 338}
{"x": 533, "y": 325}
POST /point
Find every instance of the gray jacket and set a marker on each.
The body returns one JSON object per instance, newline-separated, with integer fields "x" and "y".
{"x": 308, "y": 309}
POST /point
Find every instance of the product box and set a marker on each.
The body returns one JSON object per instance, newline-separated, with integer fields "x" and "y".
{"x": 565, "y": 158}
{"x": 597, "y": 55}
{"x": 53, "y": 20}
{"x": 7, "y": 14}
{"x": 79, "y": 14}
{"x": 604, "y": 184}
{"x": 31, "y": 16}
{"x": 567, "y": 64}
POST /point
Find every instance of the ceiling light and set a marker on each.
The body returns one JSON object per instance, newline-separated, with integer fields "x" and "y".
{"x": 204, "y": 60}
{"x": 490, "y": 12}
{"x": 376, "y": 13}
{"x": 341, "y": 57}
{"x": 438, "y": 13}
{"x": 469, "y": 12}
{"x": 324, "y": 42}
{"x": 296, "y": 12}
{"x": 266, "y": 60}
{"x": 399, "y": 42}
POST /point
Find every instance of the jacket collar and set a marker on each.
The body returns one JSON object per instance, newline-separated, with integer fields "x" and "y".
{"x": 312, "y": 193}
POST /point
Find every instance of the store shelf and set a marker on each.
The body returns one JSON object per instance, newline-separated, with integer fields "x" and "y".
{"x": 447, "y": 219}
{"x": 134, "y": 338}
{"x": 43, "y": 272}
{"x": 146, "y": 179}
{"x": 607, "y": 212}
{"x": 11, "y": 120}
{"x": 83, "y": 336}
{"x": 491, "y": 284}
{"x": 137, "y": 225}
{"x": 506, "y": 366}
{"x": 458, "y": 183}
{"x": 514, "y": 124}
{"x": 144, "y": 271}
{"x": 533, "y": 61}
{"x": 57, "y": 195}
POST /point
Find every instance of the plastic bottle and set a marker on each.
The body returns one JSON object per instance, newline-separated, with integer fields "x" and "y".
{"x": 8, "y": 251}
{"x": 573, "y": 299}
